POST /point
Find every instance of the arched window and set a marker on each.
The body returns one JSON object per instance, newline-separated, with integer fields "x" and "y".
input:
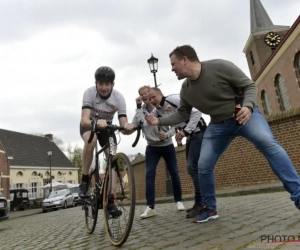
{"x": 47, "y": 174}
{"x": 282, "y": 97}
{"x": 265, "y": 103}
{"x": 19, "y": 174}
{"x": 297, "y": 66}
{"x": 70, "y": 173}
{"x": 34, "y": 173}
{"x": 59, "y": 173}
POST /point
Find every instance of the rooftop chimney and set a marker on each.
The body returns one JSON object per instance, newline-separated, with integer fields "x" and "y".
{"x": 49, "y": 136}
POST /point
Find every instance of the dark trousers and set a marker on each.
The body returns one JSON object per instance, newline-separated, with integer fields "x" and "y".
{"x": 153, "y": 155}
{"x": 193, "y": 148}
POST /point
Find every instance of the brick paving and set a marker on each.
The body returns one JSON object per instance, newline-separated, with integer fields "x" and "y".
{"x": 243, "y": 221}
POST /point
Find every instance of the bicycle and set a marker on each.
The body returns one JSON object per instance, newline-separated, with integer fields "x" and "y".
{"x": 104, "y": 193}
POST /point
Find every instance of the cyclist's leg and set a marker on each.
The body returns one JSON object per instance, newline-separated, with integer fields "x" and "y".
{"x": 87, "y": 158}
{"x": 103, "y": 138}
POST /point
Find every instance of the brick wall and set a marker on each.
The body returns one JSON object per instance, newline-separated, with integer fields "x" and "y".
{"x": 284, "y": 66}
{"x": 4, "y": 168}
{"x": 240, "y": 165}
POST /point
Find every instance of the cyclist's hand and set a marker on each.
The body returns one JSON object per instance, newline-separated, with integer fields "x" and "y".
{"x": 138, "y": 100}
{"x": 102, "y": 176}
{"x": 101, "y": 124}
{"x": 152, "y": 120}
{"x": 128, "y": 126}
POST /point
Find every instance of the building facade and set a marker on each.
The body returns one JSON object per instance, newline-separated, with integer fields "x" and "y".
{"x": 30, "y": 165}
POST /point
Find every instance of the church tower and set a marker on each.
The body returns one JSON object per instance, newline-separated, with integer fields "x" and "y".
{"x": 263, "y": 39}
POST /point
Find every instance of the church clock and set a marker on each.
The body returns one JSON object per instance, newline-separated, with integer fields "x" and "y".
{"x": 272, "y": 39}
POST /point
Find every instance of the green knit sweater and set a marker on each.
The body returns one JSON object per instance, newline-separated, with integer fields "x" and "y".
{"x": 213, "y": 93}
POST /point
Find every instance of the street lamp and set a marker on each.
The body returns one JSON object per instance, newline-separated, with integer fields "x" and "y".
{"x": 152, "y": 61}
{"x": 49, "y": 152}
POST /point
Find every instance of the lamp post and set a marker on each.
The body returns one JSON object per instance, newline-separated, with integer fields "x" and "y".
{"x": 50, "y": 154}
{"x": 153, "y": 63}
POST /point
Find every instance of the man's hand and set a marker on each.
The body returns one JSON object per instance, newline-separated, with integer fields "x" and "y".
{"x": 243, "y": 115}
{"x": 151, "y": 120}
{"x": 162, "y": 136}
{"x": 101, "y": 124}
{"x": 138, "y": 100}
{"x": 179, "y": 135}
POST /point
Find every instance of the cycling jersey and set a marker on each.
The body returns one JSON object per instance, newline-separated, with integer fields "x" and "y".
{"x": 105, "y": 109}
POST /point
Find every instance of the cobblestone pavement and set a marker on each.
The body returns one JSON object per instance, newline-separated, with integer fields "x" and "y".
{"x": 243, "y": 223}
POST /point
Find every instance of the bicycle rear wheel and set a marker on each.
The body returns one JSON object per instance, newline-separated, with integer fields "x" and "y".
{"x": 90, "y": 207}
{"x": 122, "y": 195}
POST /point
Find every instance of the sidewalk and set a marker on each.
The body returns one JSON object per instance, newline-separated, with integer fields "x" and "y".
{"x": 224, "y": 192}
{"x": 17, "y": 214}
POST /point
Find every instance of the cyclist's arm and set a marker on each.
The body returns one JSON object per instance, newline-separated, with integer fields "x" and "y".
{"x": 122, "y": 121}
{"x": 85, "y": 118}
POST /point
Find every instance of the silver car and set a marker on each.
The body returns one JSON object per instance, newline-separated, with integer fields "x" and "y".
{"x": 58, "y": 199}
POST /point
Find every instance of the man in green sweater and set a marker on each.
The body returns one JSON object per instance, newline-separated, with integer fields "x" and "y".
{"x": 212, "y": 87}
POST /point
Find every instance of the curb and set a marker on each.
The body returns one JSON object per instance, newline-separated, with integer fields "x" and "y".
{"x": 221, "y": 193}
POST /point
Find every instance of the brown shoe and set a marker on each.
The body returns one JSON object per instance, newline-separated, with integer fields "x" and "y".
{"x": 195, "y": 210}
{"x": 190, "y": 209}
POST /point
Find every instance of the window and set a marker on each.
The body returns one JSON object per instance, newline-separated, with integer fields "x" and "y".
{"x": 47, "y": 174}
{"x": 251, "y": 57}
{"x": 297, "y": 66}
{"x": 33, "y": 190}
{"x": 282, "y": 97}
{"x": 70, "y": 173}
{"x": 265, "y": 103}
{"x": 19, "y": 185}
{"x": 59, "y": 173}
{"x": 34, "y": 173}
{"x": 19, "y": 174}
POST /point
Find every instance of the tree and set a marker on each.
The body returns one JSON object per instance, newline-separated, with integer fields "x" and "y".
{"x": 75, "y": 156}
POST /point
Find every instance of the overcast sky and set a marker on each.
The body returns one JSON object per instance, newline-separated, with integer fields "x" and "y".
{"x": 49, "y": 51}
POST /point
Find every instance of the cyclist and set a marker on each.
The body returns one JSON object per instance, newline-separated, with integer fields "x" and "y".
{"x": 105, "y": 101}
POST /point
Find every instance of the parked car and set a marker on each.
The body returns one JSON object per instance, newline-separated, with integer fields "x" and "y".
{"x": 74, "y": 190}
{"x": 19, "y": 199}
{"x": 58, "y": 199}
{"x": 3, "y": 208}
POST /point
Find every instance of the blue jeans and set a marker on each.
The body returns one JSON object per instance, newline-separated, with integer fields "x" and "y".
{"x": 217, "y": 138}
{"x": 192, "y": 152}
{"x": 153, "y": 155}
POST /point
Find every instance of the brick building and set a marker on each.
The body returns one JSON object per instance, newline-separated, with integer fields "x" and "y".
{"x": 273, "y": 56}
{"x": 4, "y": 171}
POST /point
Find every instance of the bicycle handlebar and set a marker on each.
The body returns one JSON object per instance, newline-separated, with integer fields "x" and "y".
{"x": 114, "y": 128}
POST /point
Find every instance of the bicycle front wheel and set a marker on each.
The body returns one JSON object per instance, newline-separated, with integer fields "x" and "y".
{"x": 90, "y": 207}
{"x": 119, "y": 200}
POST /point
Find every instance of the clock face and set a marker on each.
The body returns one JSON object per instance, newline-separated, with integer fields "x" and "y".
{"x": 272, "y": 39}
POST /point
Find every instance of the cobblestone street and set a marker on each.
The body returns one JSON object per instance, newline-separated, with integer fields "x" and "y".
{"x": 243, "y": 221}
